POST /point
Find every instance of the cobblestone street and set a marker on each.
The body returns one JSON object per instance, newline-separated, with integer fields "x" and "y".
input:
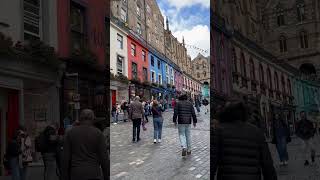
{"x": 145, "y": 160}
{"x": 296, "y": 169}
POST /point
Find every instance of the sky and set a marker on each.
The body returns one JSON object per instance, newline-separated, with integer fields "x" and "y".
{"x": 189, "y": 19}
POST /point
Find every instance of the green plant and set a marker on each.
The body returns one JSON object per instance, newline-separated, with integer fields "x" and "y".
{"x": 122, "y": 78}
{"x": 146, "y": 83}
{"x": 5, "y": 44}
{"x": 135, "y": 81}
{"x": 85, "y": 55}
{"x": 154, "y": 84}
{"x": 173, "y": 86}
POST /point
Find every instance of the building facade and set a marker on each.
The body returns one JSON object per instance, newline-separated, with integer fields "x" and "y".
{"x": 201, "y": 68}
{"x": 29, "y": 85}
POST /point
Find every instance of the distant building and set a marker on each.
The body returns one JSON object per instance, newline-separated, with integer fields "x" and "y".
{"x": 201, "y": 68}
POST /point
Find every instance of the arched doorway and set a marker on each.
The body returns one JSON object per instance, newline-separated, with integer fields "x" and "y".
{"x": 308, "y": 69}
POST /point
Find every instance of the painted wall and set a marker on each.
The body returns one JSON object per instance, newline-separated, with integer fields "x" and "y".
{"x": 154, "y": 68}
{"x": 95, "y": 13}
{"x": 115, "y": 50}
{"x": 137, "y": 59}
{"x": 178, "y": 80}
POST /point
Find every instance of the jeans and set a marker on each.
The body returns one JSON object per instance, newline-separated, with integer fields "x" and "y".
{"x": 50, "y": 166}
{"x": 157, "y": 125}
{"x": 16, "y": 170}
{"x": 136, "y": 128}
{"x": 125, "y": 115}
{"x": 114, "y": 117}
{"x": 185, "y": 136}
{"x": 282, "y": 148}
{"x": 308, "y": 148}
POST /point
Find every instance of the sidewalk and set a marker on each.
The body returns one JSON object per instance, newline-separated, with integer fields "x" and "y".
{"x": 35, "y": 172}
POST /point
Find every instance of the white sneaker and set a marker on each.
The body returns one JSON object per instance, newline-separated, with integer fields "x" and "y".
{"x": 154, "y": 141}
{"x": 115, "y": 123}
{"x": 159, "y": 140}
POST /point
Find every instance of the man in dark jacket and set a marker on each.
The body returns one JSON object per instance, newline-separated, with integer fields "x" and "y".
{"x": 184, "y": 111}
{"x": 305, "y": 131}
{"x": 85, "y": 151}
{"x": 240, "y": 150}
{"x": 136, "y": 114}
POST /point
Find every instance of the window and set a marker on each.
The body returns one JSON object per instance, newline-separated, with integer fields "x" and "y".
{"x": 120, "y": 41}
{"x": 269, "y": 81}
{"x": 32, "y": 19}
{"x": 152, "y": 61}
{"x": 280, "y": 18}
{"x": 78, "y": 38}
{"x": 153, "y": 76}
{"x": 167, "y": 78}
{"x": 289, "y": 86}
{"x": 243, "y": 66}
{"x": 283, "y": 84}
{"x": 134, "y": 71}
{"x": 303, "y": 40}
{"x": 145, "y": 74}
{"x": 197, "y": 67}
{"x": 276, "y": 80}
{"x": 283, "y": 44}
{"x": 139, "y": 28}
{"x": 159, "y": 78}
{"x": 167, "y": 71}
{"x": 300, "y": 12}
{"x": 204, "y": 73}
{"x": 252, "y": 74}
{"x": 144, "y": 55}
{"x": 261, "y": 73}
{"x": 234, "y": 60}
{"x": 139, "y": 11}
{"x": 159, "y": 64}
{"x": 119, "y": 64}
{"x": 123, "y": 15}
{"x": 133, "y": 49}
{"x": 198, "y": 75}
{"x": 148, "y": 9}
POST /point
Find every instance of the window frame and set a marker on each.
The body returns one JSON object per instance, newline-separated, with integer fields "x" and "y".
{"x": 120, "y": 42}
{"x": 133, "y": 49}
{"x": 122, "y": 64}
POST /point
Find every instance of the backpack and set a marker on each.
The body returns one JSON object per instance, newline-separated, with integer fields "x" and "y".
{"x": 40, "y": 142}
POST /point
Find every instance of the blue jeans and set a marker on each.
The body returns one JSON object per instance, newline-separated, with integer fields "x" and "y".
{"x": 114, "y": 117}
{"x": 185, "y": 136}
{"x": 157, "y": 125}
{"x": 282, "y": 148}
{"x": 18, "y": 173}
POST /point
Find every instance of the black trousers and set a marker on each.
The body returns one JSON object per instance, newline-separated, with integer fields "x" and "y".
{"x": 136, "y": 128}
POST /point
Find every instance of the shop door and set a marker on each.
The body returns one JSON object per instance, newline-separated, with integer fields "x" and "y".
{"x": 114, "y": 97}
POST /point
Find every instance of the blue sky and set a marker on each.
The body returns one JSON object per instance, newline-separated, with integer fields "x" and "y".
{"x": 188, "y": 18}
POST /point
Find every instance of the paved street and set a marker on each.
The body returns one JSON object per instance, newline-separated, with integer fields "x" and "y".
{"x": 145, "y": 160}
{"x": 296, "y": 169}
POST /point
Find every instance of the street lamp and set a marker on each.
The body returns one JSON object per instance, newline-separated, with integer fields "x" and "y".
{"x": 77, "y": 105}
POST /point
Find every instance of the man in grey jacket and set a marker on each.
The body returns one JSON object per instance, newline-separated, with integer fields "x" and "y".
{"x": 136, "y": 112}
{"x": 85, "y": 151}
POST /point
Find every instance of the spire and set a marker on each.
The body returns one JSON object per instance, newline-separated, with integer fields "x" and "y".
{"x": 183, "y": 41}
{"x": 167, "y": 23}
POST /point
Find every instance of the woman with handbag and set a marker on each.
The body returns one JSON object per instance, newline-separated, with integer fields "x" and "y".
{"x": 157, "y": 110}
{"x": 281, "y": 136}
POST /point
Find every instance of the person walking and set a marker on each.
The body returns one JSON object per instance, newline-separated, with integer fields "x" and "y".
{"x": 305, "y": 131}
{"x": 281, "y": 136}
{"x": 114, "y": 114}
{"x": 183, "y": 113}
{"x": 197, "y": 104}
{"x": 240, "y": 150}
{"x": 157, "y": 121}
{"x": 26, "y": 151}
{"x": 14, "y": 156}
{"x": 136, "y": 114}
{"x": 146, "y": 111}
{"x": 173, "y": 103}
{"x": 49, "y": 151}
{"x": 85, "y": 153}
{"x": 124, "y": 108}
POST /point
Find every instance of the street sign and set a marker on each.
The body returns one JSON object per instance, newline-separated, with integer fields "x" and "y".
{"x": 77, "y": 105}
{"x": 76, "y": 97}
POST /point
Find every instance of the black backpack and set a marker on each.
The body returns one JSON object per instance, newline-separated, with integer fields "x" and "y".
{"x": 40, "y": 142}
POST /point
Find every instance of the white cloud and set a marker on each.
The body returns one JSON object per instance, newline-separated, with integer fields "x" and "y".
{"x": 198, "y": 36}
{"x": 187, "y": 3}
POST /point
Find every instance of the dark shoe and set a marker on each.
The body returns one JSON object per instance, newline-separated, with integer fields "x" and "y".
{"x": 306, "y": 163}
{"x": 313, "y": 159}
{"x": 189, "y": 153}
{"x": 184, "y": 152}
{"x": 133, "y": 140}
{"x": 138, "y": 139}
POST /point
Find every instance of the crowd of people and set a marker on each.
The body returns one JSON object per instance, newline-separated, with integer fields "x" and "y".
{"x": 240, "y": 148}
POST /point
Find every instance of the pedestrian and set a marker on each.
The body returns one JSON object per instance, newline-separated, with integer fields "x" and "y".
{"x": 85, "y": 153}
{"x": 205, "y": 102}
{"x": 49, "y": 151}
{"x": 173, "y": 103}
{"x": 114, "y": 114}
{"x": 136, "y": 115}
{"x": 240, "y": 150}
{"x": 184, "y": 112}
{"x": 124, "y": 108}
{"x": 26, "y": 151}
{"x": 14, "y": 156}
{"x": 197, "y": 104}
{"x": 146, "y": 111}
{"x": 305, "y": 131}
{"x": 157, "y": 121}
{"x": 281, "y": 136}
